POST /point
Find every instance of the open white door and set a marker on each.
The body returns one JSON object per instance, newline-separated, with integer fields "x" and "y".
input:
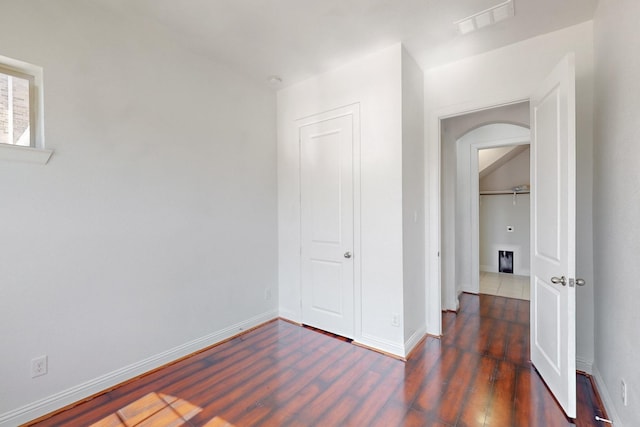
{"x": 553, "y": 214}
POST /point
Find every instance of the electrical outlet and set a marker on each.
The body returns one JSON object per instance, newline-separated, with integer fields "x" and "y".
{"x": 395, "y": 320}
{"x": 267, "y": 294}
{"x": 39, "y": 366}
{"x": 623, "y": 392}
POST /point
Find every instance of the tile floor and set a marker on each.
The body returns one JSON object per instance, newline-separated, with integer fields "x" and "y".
{"x": 504, "y": 285}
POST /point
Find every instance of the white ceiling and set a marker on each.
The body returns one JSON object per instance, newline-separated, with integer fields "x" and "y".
{"x": 297, "y": 39}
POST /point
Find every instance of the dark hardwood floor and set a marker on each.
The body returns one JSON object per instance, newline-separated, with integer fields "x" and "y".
{"x": 281, "y": 374}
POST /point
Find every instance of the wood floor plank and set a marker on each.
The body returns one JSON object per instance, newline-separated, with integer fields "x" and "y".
{"x": 430, "y": 396}
{"x": 281, "y": 374}
{"x": 416, "y": 418}
{"x": 464, "y": 332}
{"x": 523, "y": 312}
{"x": 333, "y": 391}
{"x": 510, "y": 310}
{"x": 457, "y": 387}
{"x": 391, "y": 414}
{"x": 473, "y": 412}
{"x": 242, "y": 397}
{"x": 517, "y": 344}
{"x": 340, "y": 412}
{"x": 416, "y": 371}
{"x": 501, "y": 404}
{"x": 497, "y": 345}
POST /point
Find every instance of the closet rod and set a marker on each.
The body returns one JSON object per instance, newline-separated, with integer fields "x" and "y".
{"x": 492, "y": 193}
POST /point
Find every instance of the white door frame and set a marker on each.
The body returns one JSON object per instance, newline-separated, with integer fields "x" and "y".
{"x": 354, "y": 111}
{"x": 433, "y": 203}
{"x": 475, "y": 200}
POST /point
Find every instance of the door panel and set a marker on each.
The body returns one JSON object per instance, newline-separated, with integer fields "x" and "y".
{"x": 326, "y": 159}
{"x": 548, "y": 344}
{"x": 326, "y": 294}
{"x": 553, "y": 233}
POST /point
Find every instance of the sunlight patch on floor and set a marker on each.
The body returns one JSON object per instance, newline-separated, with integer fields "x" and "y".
{"x": 156, "y": 410}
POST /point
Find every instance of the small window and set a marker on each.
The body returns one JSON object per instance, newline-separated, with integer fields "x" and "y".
{"x": 17, "y": 122}
{"x": 21, "y": 116}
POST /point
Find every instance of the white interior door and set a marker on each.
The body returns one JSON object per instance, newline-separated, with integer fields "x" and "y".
{"x": 326, "y": 176}
{"x": 553, "y": 212}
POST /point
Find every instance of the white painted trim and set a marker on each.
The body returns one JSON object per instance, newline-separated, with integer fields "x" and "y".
{"x": 66, "y": 397}
{"x": 584, "y": 365}
{"x": 413, "y": 340}
{"x": 475, "y": 200}
{"x": 466, "y": 287}
{"x": 433, "y": 204}
{"x": 18, "y": 153}
{"x": 38, "y": 94}
{"x": 433, "y": 303}
{"x": 381, "y": 344}
{"x": 607, "y": 401}
{"x": 290, "y": 315}
{"x": 352, "y": 110}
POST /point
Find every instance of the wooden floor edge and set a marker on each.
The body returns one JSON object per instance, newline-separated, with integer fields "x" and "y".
{"x": 377, "y": 350}
{"x": 293, "y": 322}
{"x": 415, "y": 347}
{"x": 137, "y": 377}
{"x": 594, "y": 386}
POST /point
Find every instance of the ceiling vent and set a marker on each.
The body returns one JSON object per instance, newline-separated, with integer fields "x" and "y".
{"x": 487, "y": 17}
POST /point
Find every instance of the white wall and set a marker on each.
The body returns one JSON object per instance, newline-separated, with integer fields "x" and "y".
{"x": 497, "y": 211}
{"x": 617, "y": 207}
{"x": 132, "y": 246}
{"x": 413, "y": 221}
{"x": 375, "y": 83}
{"x": 501, "y": 76}
{"x": 513, "y": 173}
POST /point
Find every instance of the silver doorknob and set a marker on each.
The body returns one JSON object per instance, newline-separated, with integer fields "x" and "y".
{"x": 580, "y": 282}
{"x": 347, "y": 254}
{"x": 562, "y": 280}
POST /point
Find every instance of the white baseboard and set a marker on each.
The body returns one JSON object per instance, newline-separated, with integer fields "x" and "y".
{"x": 466, "y": 287}
{"x": 74, "y": 394}
{"x": 290, "y": 315}
{"x": 584, "y": 365}
{"x": 492, "y": 269}
{"x": 385, "y": 346}
{"x": 488, "y": 269}
{"x": 603, "y": 391}
{"x": 413, "y": 340}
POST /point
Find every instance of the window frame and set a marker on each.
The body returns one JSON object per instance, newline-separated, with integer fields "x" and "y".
{"x": 36, "y": 152}
{"x": 32, "y": 101}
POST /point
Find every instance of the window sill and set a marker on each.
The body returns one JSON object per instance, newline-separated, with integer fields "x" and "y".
{"x": 16, "y": 153}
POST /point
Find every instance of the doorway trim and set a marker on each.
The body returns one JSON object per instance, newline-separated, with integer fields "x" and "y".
{"x": 434, "y": 198}
{"x": 352, "y": 110}
{"x": 475, "y": 199}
